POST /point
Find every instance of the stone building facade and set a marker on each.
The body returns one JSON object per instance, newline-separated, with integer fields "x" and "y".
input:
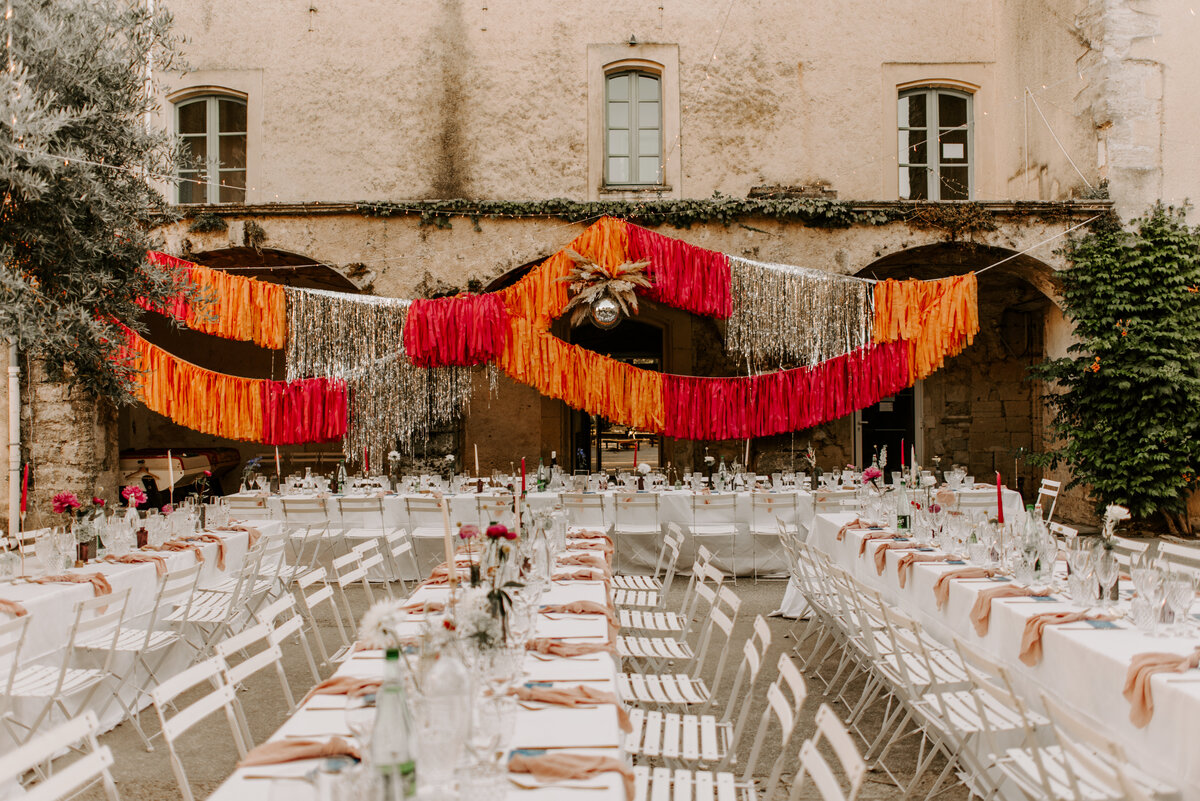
{"x": 348, "y": 119}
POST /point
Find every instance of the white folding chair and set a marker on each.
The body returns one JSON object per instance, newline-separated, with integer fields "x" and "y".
{"x": 636, "y": 528}
{"x": 398, "y": 551}
{"x": 834, "y": 501}
{"x": 651, "y": 591}
{"x": 98, "y": 622}
{"x": 767, "y": 533}
{"x": 364, "y": 520}
{"x": 348, "y": 570}
{"x": 145, "y": 646}
{"x": 175, "y": 725}
{"x": 814, "y": 766}
{"x": 284, "y": 618}
{"x": 714, "y": 524}
{"x": 307, "y": 523}
{"x": 495, "y": 508}
{"x": 67, "y": 781}
{"x": 312, "y": 594}
{"x": 266, "y": 653}
{"x": 1049, "y": 489}
{"x": 585, "y": 510}
{"x": 427, "y": 527}
{"x": 245, "y": 507}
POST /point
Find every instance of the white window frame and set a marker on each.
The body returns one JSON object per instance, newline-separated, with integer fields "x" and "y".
{"x": 634, "y": 127}
{"x": 212, "y": 136}
{"x": 933, "y": 132}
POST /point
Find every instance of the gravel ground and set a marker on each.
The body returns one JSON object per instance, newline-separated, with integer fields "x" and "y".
{"x": 208, "y": 754}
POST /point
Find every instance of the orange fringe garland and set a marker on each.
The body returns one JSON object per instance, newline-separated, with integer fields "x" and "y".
{"x": 937, "y": 318}
{"x": 231, "y": 306}
{"x": 258, "y": 410}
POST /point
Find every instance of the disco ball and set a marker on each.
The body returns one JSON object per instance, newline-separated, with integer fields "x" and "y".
{"x": 605, "y": 313}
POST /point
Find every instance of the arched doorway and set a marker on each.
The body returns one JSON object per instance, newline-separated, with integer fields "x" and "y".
{"x": 980, "y": 409}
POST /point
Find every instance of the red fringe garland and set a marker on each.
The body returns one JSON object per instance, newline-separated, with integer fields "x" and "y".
{"x": 685, "y": 276}
{"x": 458, "y": 331}
{"x": 788, "y": 400}
{"x": 307, "y": 410}
{"x": 177, "y": 307}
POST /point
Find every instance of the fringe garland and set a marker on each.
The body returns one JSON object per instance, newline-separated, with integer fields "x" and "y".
{"x": 335, "y": 334}
{"x": 257, "y": 410}
{"x": 457, "y": 331}
{"x": 795, "y": 314}
{"x": 230, "y": 306}
{"x": 684, "y": 276}
{"x": 584, "y": 379}
{"x": 786, "y": 400}
{"x": 937, "y": 318}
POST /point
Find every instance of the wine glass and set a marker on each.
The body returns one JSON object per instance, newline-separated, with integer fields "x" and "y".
{"x": 1179, "y": 588}
{"x": 1107, "y": 571}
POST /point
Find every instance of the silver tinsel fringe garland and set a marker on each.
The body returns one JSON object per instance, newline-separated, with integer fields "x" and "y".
{"x": 785, "y": 314}
{"x": 360, "y": 338}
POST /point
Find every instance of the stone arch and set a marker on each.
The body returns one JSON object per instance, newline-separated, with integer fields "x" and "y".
{"x": 285, "y": 267}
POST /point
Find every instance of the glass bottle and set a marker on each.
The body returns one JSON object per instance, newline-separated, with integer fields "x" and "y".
{"x": 903, "y": 509}
{"x": 541, "y": 476}
{"x": 340, "y": 483}
{"x": 722, "y": 476}
{"x": 392, "y": 742}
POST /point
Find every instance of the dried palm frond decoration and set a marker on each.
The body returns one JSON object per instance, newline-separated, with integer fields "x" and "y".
{"x": 599, "y": 292}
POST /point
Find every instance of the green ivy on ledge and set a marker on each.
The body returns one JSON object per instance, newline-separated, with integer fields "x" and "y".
{"x": 815, "y": 212}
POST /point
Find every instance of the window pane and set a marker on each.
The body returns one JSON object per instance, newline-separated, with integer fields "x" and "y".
{"x": 954, "y": 146}
{"x": 647, "y": 115}
{"x": 618, "y": 115}
{"x": 191, "y": 188}
{"x": 195, "y": 151}
{"x": 233, "y": 186}
{"x": 914, "y": 185}
{"x": 647, "y": 88}
{"x": 233, "y": 116}
{"x": 618, "y": 143}
{"x": 233, "y": 150}
{"x": 618, "y": 170}
{"x": 913, "y": 147}
{"x": 952, "y": 110}
{"x": 648, "y": 143}
{"x": 648, "y": 170}
{"x": 954, "y": 185}
{"x": 911, "y": 113}
{"x": 192, "y": 117}
{"x": 618, "y": 87}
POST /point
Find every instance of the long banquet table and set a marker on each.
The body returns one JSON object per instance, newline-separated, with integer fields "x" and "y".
{"x": 593, "y": 730}
{"x": 744, "y": 554}
{"x": 1082, "y": 667}
{"x": 51, "y": 609}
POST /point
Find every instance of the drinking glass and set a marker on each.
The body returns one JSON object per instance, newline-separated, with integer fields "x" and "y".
{"x": 1148, "y": 581}
{"x": 45, "y": 547}
{"x": 1144, "y": 615}
{"x": 1178, "y": 591}
{"x": 1022, "y": 568}
{"x": 1107, "y": 571}
{"x": 360, "y": 719}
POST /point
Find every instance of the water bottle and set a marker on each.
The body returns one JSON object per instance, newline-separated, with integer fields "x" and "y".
{"x": 392, "y": 743}
{"x": 903, "y": 510}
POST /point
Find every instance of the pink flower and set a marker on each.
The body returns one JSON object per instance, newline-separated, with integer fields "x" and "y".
{"x": 207, "y": 473}
{"x": 167, "y": 509}
{"x": 872, "y": 473}
{"x": 97, "y": 501}
{"x": 495, "y": 531}
{"x": 468, "y": 532}
{"x": 133, "y": 495}
{"x": 65, "y": 502}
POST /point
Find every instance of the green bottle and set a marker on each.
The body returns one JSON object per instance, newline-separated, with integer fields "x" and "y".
{"x": 392, "y": 746}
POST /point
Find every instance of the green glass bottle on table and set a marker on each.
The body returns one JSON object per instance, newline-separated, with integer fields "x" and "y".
{"x": 903, "y": 509}
{"x": 392, "y": 746}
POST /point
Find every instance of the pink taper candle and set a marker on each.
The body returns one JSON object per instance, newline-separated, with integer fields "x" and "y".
{"x": 522, "y": 475}
{"x": 999, "y": 501}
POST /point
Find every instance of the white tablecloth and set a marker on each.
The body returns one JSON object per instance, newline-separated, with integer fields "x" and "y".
{"x": 51, "y": 610}
{"x": 1082, "y": 668}
{"x": 552, "y": 727}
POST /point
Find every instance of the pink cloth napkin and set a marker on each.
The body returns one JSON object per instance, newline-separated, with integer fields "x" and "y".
{"x": 904, "y": 568}
{"x": 252, "y": 534}
{"x": 589, "y": 535}
{"x": 280, "y": 751}
{"x": 587, "y": 608}
{"x": 567, "y": 649}
{"x": 219, "y": 541}
{"x": 941, "y": 587}
{"x": 981, "y": 612}
{"x": 343, "y": 685}
{"x": 585, "y": 559}
{"x": 855, "y": 523}
{"x": 590, "y": 545}
{"x": 13, "y": 608}
{"x": 160, "y": 564}
{"x": 862, "y": 545}
{"x": 100, "y": 585}
{"x": 881, "y": 553}
{"x": 1137, "y": 680}
{"x": 426, "y": 607}
{"x": 584, "y": 574}
{"x": 1035, "y": 627}
{"x": 555, "y": 767}
{"x": 581, "y": 695}
{"x": 179, "y": 545}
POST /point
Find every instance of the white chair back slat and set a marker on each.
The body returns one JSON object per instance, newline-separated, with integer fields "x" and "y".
{"x": 93, "y": 766}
